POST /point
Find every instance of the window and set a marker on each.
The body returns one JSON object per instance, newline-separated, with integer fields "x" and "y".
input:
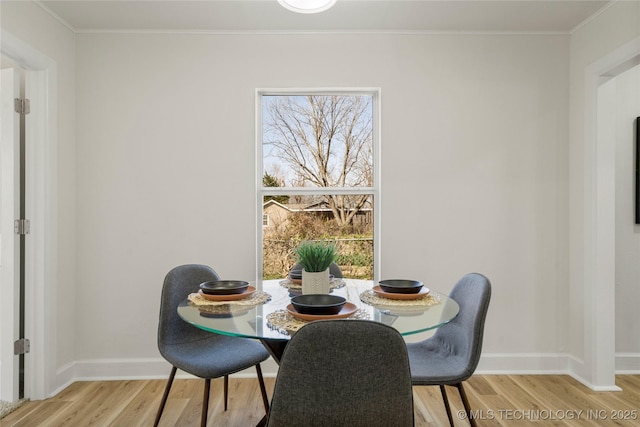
{"x": 318, "y": 176}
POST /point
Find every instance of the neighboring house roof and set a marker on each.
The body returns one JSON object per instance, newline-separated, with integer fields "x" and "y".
{"x": 293, "y": 207}
{"x": 321, "y": 206}
{"x": 273, "y": 202}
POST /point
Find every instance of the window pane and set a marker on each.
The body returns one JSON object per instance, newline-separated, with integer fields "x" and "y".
{"x": 318, "y": 140}
{"x": 295, "y": 218}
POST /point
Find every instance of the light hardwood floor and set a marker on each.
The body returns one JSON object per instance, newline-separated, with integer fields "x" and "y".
{"x": 500, "y": 400}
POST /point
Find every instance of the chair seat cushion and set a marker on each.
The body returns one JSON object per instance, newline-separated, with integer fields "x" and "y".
{"x": 214, "y": 356}
{"x": 434, "y": 363}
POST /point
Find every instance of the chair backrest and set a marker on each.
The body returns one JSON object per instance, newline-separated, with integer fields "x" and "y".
{"x": 343, "y": 373}
{"x": 333, "y": 269}
{"x": 463, "y": 335}
{"x": 178, "y": 284}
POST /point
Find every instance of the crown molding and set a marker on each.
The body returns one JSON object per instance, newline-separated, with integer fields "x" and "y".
{"x": 55, "y": 16}
{"x": 593, "y": 16}
{"x": 320, "y": 32}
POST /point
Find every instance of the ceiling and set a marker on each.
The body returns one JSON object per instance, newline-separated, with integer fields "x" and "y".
{"x": 553, "y": 16}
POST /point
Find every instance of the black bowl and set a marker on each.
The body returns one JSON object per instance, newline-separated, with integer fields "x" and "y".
{"x": 318, "y": 303}
{"x": 224, "y": 287}
{"x": 400, "y": 286}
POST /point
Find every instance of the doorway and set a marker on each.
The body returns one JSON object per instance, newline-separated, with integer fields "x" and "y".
{"x": 40, "y": 276}
{"x": 624, "y": 101}
{"x": 599, "y": 234}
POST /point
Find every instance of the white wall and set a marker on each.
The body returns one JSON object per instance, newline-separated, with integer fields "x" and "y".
{"x": 156, "y": 167}
{"x": 627, "y": 107}
{"x": 474, "y": 146}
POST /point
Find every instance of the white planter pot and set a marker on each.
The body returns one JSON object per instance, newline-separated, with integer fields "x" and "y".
{"x": 315, "y": 283}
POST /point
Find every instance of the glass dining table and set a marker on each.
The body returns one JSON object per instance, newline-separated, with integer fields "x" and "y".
{"x": 267, "y": 315}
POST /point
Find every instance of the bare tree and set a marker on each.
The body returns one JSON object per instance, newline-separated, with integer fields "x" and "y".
{"x": 326, "y": 141}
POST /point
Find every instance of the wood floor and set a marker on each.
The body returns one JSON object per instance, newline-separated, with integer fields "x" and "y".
{"x": 499, "y": 400}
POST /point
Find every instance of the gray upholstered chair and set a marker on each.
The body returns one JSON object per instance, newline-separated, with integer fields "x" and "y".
{"x": 334, "y": 269}
{"x": 343, "y": 373}
{"x": 198, "y": 352}
{"x": 452, "y": 354}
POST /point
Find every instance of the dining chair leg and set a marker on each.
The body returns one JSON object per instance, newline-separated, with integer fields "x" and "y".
{"x": 263, "y": 389}
{"x": 205, "y": 402}
{"x": 446, "y": 404}
{"x": 226, "y": 391}
{"x": 465, "y": 402}
{"x": 165, "y": 395}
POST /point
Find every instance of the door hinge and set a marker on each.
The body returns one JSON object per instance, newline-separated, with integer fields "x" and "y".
{"x": 22, "y": 346}
{"x": 22, "y": 226}
{"x": 22, "y": 106}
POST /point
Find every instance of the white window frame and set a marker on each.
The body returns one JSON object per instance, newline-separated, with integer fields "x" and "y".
{"x": 374, "y": 191}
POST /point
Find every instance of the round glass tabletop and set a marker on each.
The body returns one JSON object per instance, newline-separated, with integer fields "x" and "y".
{"x": 270, "y": 320}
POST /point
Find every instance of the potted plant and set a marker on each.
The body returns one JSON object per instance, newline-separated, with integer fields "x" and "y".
{"x": 315, "y": 258}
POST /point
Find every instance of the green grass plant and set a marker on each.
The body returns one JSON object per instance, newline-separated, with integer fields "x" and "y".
{"x": 316, "y": 256}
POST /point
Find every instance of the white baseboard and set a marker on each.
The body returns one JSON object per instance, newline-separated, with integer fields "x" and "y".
{"x": 553, "y": 364}
{"x": 490, "y": 363}
{"x": 628, "y": 363}
{"x": 158, "y": 368}
{"x": 550, "y": 363}
{"x": 110, "y": 369}
{"x": 523, "y": 364}
{"x": 134, "y": 369}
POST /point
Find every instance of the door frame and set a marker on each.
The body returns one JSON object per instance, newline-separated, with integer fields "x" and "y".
{"x": 599, "y": 229}
{"x": 40, "y": 208}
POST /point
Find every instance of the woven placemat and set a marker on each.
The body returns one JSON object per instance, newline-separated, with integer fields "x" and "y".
{"x": 335, "y": 283}
{"x": 226, "y": 310}
{"x": 371, "y": 298}
{"x": 283, "y": 322}
{"x": 258, "y": 297}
